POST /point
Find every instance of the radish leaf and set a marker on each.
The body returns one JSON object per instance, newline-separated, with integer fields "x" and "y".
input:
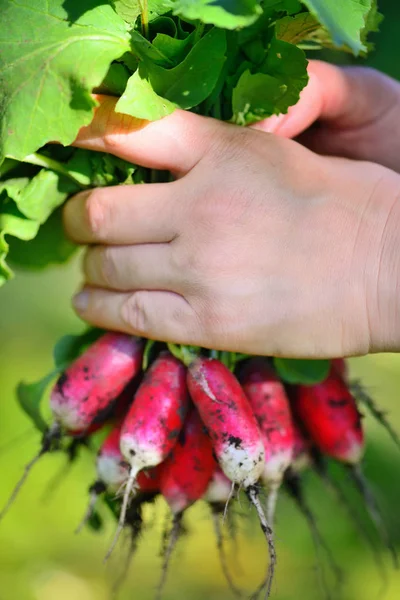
{"x": 306, "y": 372}
{"x": 344, "y": 19}
{"x": 49, "y": 63}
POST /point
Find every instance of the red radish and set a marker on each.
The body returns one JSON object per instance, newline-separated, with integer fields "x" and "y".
{"x": 113, "y": 473}
{"x": 154, "y": 421}
{"x": 233, "y": 429}
{"x": 85, "y": 394}
{"x": 328, "y": 412}
{"x": 270, "y": 404}
{"x": 185, "y": 478}
{"x": 340, "y": 367}
{"x": 190, "y": 466}
{"x": 86, "y": 391}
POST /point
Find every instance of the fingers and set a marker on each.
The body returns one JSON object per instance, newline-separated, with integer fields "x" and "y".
{"x": 343, "y": 97}
{"x": 127, "y": 268}
{"x": 175, "y": 143}
{"x": 164, "y": 316}
{"x": 125, "y": 214}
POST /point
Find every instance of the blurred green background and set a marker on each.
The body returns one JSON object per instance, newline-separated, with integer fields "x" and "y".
{"x": 42, "y": 559}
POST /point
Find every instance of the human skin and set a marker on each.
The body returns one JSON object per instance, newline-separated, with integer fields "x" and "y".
{"x": 354, "y": 112}
{"x": 259, "y": 246}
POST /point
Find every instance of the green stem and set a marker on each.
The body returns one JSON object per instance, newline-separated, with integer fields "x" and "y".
{"x": 54, "y": 165}
{"x": 199, "y": 32}
{"x": 144, "y": 9}
{"x": 185, "y": 354}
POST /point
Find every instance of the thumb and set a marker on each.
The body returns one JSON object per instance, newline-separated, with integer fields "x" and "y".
{"x": 342, "y": 97}
{"x": 175, "y": 143}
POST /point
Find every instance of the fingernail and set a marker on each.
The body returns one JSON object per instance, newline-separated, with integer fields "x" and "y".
{"x": 80, "y": 301}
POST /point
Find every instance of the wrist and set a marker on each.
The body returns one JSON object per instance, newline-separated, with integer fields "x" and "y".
{"x": 382, "y": 268}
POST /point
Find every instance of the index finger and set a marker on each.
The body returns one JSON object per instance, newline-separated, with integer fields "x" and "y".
{"x": 175, "y": 143}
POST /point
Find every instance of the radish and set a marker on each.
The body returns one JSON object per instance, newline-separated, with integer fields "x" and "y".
{"x": 329, "y": 414}
{"x": 185, "y": 478}
{"x": 152, "y": 426}
{"x": 340, "y": 367}
{"x": 190, "y": 466}
{"x": 85, "y": 393}
{"x": 113, "y": 473}
{"x": 235, "y": 434}
{"x": 268, "y": 399}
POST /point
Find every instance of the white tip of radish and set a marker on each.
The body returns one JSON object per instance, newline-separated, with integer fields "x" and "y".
{"x": 138, "y": 454}
{"x": 354, "y": 453}
{"x": 275, "y": 467}
{"x": 219, "y": 490}
{"x": 130, "y": 485}
{"x": 62, "y": 413}
{"x": 112, "y": 472}
{"x": 241, "y": 466}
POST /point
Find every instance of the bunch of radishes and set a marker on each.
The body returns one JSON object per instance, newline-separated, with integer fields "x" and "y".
{"x": 193, "y": 429}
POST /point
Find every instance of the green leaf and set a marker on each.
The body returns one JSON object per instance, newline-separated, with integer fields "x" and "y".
{"x": 141, "y": 101}
{"x": 154, "y": 92}
{"x": 227, "y": 14}
{"x": 259, "y": 95}
{"x": 49, "y": 65}
{"x": 255, "y": 96}
{"x": 344, "y": 19}
{"x": 147, "y": 51}
{"x": 173, "y": 48}
{"x": 288, "y": 64}
{"x": 49, "y": 247}
{"x": 129, "y": 10}
{"x": 306, "y": 372}
{"x": 289, "y": 6}
{"x": 69, "y": 347}
{"x": 115, "y": 81}
{"x": 30, "y": 396}
{"x": 296, "y": 29}
{"x": 43, "y": 194}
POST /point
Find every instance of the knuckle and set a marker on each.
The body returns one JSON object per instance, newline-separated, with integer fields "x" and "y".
{"x": 134, "y": 312}
{"x": 108, "y": 266}
{"x": 96, "y": 210}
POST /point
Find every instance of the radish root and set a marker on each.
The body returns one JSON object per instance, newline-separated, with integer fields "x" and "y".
{"x": 216, "y": 517}
{"x": 252, "y": 493}
{"x": 360, "y": 393}
{"x": 172, "y": 541}
{"x": 130, "y": 484}
{"x": 365, "y": 491}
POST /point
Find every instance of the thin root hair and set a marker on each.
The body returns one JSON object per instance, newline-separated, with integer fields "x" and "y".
{"x": 174, "y": 536}
{"x": 252, "y": 493}
{"x": 122, "y": 517}
{"x": 359, "y": 480}
{"x": 216, "y": 517}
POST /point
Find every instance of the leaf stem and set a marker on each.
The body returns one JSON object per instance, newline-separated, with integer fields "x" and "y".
{"x": 144, "y": 9}
{"x": 54, "y": 165}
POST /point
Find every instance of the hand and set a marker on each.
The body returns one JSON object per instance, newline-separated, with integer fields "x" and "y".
{"x": 357, "y": 110}
{"x": 259, "y": 246}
